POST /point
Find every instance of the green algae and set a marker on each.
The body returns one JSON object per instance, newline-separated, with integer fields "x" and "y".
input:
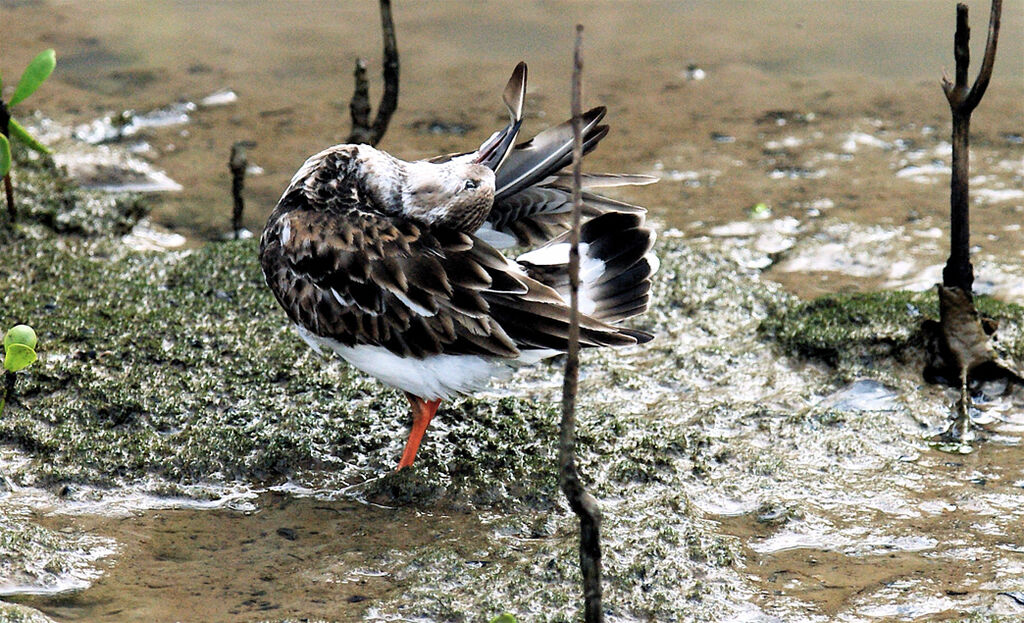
{"x": 180, "y": 366}
{"x": 860, "y": 332}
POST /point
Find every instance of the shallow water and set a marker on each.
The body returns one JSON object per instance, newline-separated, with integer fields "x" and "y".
{"x": 832, "y": 119}
{"x": 285, "y": 556}
{"x": 801, "y": 106}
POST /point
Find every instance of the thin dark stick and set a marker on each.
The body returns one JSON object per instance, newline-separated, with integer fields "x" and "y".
{"x": 362, "y": 131}
{"x": 238, "y": 163}
{"x": 359, "y": 107}
{"x": 9, "y": 191}
{"x": 581, "y": 502}
{"x": 988, "y": 61}
{"x": 958, "y": 271}
{"x": 389, "y": 100}
{"x": 5, "y": 121}
{"x": 8, "y": 389}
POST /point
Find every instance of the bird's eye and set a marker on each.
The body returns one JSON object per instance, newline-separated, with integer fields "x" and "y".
{"x": 470, "y": 185}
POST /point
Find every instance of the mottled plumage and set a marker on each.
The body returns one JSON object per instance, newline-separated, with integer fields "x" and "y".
{"x": 392, "y": 264}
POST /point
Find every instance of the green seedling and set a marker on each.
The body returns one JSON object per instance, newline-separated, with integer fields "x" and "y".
{"x": 38, "y": 70}
{"x": 504, "y": 618}
{"x": 19, "y": 353}
{"x": 19, "y": 348}
{"x": 760, "y": 210}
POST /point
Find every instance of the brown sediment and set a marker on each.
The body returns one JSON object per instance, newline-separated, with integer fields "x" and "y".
{"x": 291, "y": 557}
{"x": 799, "y": 63}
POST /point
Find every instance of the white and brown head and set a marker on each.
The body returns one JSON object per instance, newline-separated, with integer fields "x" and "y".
{"x": 452, "y": 194}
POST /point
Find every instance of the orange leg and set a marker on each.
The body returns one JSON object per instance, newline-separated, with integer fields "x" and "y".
{"x": 422, "y": 412}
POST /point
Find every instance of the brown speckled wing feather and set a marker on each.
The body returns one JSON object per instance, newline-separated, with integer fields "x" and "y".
{"x": 364, "y": 278}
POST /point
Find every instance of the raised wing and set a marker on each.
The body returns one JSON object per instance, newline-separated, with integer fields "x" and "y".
{"x": 493, "y": 152}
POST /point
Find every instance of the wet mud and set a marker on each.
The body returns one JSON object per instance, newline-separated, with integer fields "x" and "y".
{"x": 282, "y": 557}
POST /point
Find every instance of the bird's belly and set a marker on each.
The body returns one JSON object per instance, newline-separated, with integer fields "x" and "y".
{"x": 432, "y": 377}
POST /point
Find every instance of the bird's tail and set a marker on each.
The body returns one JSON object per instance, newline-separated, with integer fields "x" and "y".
{"x": 616, "y": 265}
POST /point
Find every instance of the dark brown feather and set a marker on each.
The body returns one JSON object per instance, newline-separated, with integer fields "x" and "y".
{"x": 344, "y": 269}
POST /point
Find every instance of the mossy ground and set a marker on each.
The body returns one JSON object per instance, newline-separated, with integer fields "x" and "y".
{"x": 48, "y": 202}
{"x": 180, "y": 366}
{"x": 858, "y": 332}
{"x": 13, "y": 613}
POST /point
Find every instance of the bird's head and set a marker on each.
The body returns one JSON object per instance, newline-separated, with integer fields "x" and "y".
{"x": 453, "y": 194}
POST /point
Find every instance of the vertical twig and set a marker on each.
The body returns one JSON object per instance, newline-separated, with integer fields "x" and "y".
{"x": 963, "y": 344}
{"x": 7, "y": 390}
{"x": 5, "y": 121}
{"x": 362, "y": 130}
{"x": 238, "y": 164}
{"x": 359, "y": 107}
{"x": 581, "y": 502}
{"x": 958, "y": 271}
{"x": 389, "y": 99}
{"x": 9, "y": 191}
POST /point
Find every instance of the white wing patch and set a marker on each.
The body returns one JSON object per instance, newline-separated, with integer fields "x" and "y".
{"x": 551, "y": 255}
{"x": 591, "y": 269}
{"x": 286, "y": 229}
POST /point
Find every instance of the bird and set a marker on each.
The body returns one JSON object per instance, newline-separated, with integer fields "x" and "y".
{"x": 396, "y": 266}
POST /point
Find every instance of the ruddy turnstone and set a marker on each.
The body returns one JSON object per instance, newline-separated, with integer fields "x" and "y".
{"x": 393, "y": 266}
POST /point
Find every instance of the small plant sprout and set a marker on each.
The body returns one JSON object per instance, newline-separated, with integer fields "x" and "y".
{"x": 19, "y": 348}
{"x": 19, "y": 353}
{"x": 504, "y": 618}
{"x": 38, "y": 70}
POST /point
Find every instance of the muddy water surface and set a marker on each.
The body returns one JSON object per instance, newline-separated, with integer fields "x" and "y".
{"x": 284, "y": 557}
{"x": 916, "y": 556}
{"x": 818, "y": 497}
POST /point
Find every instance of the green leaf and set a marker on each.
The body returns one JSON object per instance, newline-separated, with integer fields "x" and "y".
{"x": 5, "y": 156}
{"x": 21, "y": 334}
{"x": 18, "y": 357}
{"x": 22, "y": 135}
{"x": 505, "y": 618}
{"x": 38, "y": 70}
{"x": 760, "y": 210}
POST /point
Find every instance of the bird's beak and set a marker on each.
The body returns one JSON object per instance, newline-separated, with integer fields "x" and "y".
{"x": 495, "y": 149}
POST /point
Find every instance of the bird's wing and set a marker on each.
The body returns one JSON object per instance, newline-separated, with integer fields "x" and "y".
{"x": 546, "y": 154}
{"x": 533, "y": 200}
{"x": 364, "y": 278}
{"x": 497, "y": 148}
{"x": 537, "y": 214}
